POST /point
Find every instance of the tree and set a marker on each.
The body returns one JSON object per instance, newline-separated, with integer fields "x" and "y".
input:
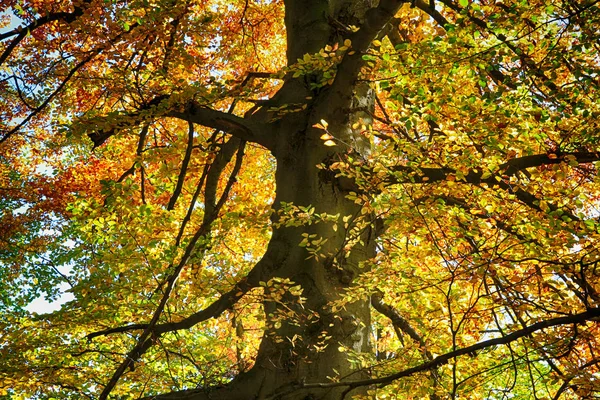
{"x": 300, "y": 199}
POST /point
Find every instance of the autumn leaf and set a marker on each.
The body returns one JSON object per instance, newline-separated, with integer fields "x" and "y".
{"x": 370, "y": 199}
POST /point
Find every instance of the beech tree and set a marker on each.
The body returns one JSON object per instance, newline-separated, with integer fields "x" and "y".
{"x": 300, "y": 199}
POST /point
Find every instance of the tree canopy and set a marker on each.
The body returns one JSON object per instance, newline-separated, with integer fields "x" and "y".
{"x": 300, "y": 199}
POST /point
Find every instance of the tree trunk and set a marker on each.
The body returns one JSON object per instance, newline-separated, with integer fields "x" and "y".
{"x": 323, "y": 277}
{"x": 313, "y": 344}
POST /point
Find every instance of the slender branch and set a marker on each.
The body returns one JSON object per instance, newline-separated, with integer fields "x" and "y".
{"x": 512, "y": 167}
{"x": 119, "y": 329}
{"x": 276, "y": 253}
{"x": 5, "y": 135}
{"x": 526, "y": 60}
{"x": 148, "y": 337}
{"x": 140, "y": 149}
{"x": 567, "y": 381}
{"x": 188, "y": 215}
{"x": 145, "y": 340}
{"x": 184, "y": 166}
{"x": 401, "y": 132}
{"x": 21, "y": 33}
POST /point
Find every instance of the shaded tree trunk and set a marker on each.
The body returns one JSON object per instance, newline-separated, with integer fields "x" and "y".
{"x": 299, "y": 151}
{"x": 307, "y": 347}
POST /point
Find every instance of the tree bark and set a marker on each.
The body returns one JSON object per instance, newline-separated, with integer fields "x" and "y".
{"x": 323, "y": 280}
{"x": 324, "y": 254}
{"x": 312, "y": 345}
{"x": 321, "y": 333}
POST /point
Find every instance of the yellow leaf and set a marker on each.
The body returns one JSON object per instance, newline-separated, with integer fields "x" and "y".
{"x": 326, "y": 136}
{"x": 329, "y": 143}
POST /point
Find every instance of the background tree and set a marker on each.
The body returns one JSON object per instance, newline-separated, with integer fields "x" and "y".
{"x": 300, "y": 199}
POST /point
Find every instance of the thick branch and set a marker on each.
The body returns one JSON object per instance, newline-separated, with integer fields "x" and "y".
{"x": 432, "y": 12}
{"x": 376, "y": 19}
{"x": 512, "y": 167}
{"x": 241, "y": 128}
{"x": 521, "y": 163}
{"x": 214, "y": 174}
{"x": 262, "y": 271}
{"x": 398, "y": 321}
{"x": 98, "y": 137}
{"x": 589, "y": 315}
{"x": 243, "y": 387}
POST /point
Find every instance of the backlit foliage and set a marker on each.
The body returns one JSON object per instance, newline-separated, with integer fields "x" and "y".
{"x": 476, "y": 168}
